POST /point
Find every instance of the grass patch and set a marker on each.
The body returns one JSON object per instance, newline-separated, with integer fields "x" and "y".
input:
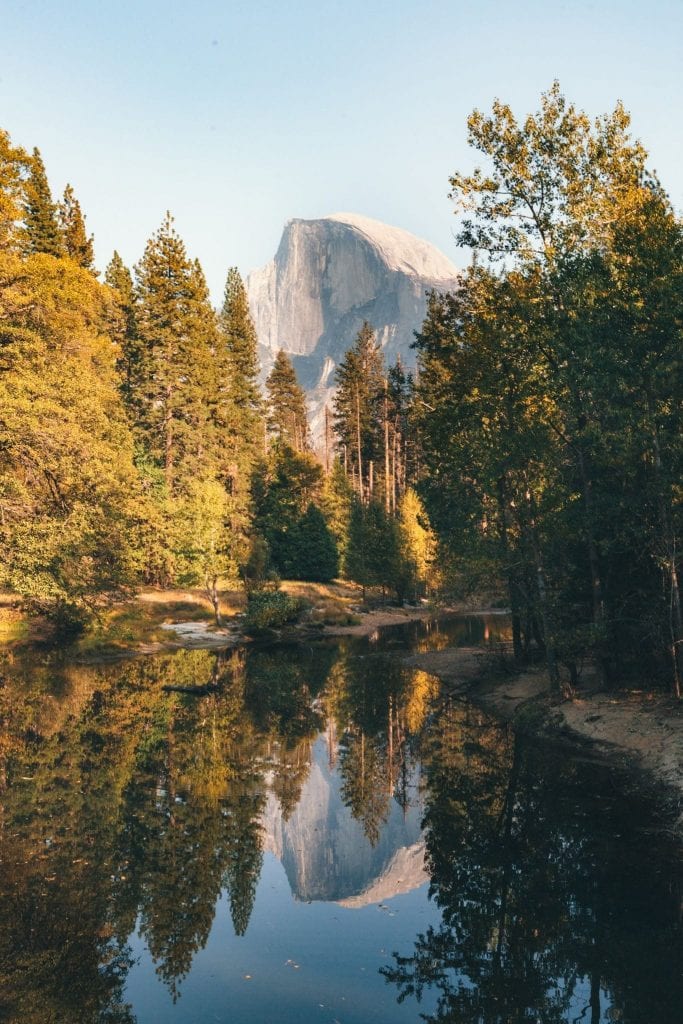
{"x": 330, "y": 604}
{"x": 14, "y": 626}
{"x": 138, "y": 622}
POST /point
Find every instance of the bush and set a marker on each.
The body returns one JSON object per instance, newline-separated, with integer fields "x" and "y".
{"x": 270, "y": 610}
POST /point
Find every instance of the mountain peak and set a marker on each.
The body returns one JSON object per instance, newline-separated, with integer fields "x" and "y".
{"x": 400, "y": 249}
{"x": 331, "y": 274}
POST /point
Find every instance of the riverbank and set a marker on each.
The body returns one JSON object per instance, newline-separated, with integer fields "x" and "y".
{"x": 636, "y": 730}
{"x": 154, "y": 621}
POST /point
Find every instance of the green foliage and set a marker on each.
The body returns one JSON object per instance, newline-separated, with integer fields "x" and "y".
{"x": 287, "y": 420}
{"x": 373, "y": 557}
{"x": 178, "y": 335}
{"x": 271, "y": 610}
{"x": 310, "y": 552}
{"x": 43, "y": 234}
{"x": 358, "y": 405}
{"x": 77, "y": 245}
{"x": 335, "y": 504}
{"x": 70, "y": 500}
{"x": 287, "y": 483}
{"x": 547, "y": 388}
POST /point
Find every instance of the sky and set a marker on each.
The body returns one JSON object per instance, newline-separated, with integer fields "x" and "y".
{"x": 239, "y": 115}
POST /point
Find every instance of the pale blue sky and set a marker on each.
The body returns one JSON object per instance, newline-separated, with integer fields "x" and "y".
{"x": 239, "y": 115}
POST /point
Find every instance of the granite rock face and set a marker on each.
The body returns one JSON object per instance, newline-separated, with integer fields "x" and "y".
{"x": 327, "y": 856}
{"x": 327, "y": 277}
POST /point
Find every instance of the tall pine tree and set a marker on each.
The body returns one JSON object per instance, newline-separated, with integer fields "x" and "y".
{"x": 358, "y": 409}
{"x": 287, "y": 420}
{"x": 176, "y": 326}
{"x": 43, "y": 233}
{"x": 76, "y": 242}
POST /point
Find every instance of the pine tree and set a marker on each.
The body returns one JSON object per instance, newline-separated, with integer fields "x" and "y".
{"x": 335, "y": 503}
{"x": 13, "y": 164}
{"x": 287, "y": 419}
{"x": 358, "y": 409}
{"x": 40, "y": 213}
{"x": 290, "y": 481}
{"x": 242, "y": 344}
{"x": 238, "y": 413}
{"x": 76, "y": 242}
{"x": 123, "y": 330}
{"x": 177, "y": 331}
{"x": 373, "y": 555}
{"x": 312, "y": 552}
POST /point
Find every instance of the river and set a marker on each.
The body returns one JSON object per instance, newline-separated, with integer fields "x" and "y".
{"x": 322, "y": 835}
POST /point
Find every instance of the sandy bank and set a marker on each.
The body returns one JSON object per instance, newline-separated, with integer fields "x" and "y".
{"x": 634, "y": 729}
{"x": 204, "y": 635}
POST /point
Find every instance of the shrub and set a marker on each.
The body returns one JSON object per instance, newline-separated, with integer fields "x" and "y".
{"x": 268, "y": 610}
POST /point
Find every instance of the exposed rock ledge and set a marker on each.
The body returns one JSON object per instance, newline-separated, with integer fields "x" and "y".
{"x": 633, "y": 729}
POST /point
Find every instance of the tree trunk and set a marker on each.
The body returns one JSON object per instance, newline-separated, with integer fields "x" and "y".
{"x": 543, "y": 607}
{"x": 387, "y": 494}
{"x": 212, "y": 590}
{"x": 669, "y": 539}
{"x": 358, "y": 442}
{"x": 168, "y": 439}
{"x": 597, "y": 595}
{"x": 513, "y": 590}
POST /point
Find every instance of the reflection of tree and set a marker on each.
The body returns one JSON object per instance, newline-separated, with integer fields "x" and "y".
{"x": 291, "y": 768}
{"x": 243, "y": 867}
{"x": 123, "y": 802}
{"x": 364, "y": 788}
{"x": 539, "y": 917}
{"x": 380, "y": 708}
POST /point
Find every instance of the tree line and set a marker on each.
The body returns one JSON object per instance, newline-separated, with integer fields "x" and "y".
{"x": 136, "y": 445}
{"x": 535, "y": 451}
{"x": 549, "y": 391}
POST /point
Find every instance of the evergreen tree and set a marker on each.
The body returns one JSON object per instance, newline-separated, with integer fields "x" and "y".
{"x": 287, "y": 420}
{"x": 13, "y": 167}
{"x": 123, "y": 330}
{"x": 373, "y": 554}
{"x": 335, "y": 503}
{"x": 238, "y": 411}
{"x": 76, "y": 242}
{"x": 241, "y": 342}
{"x": 311, "y": 549}
{"x": 358, "y": 409}
{"x": 177, "y": 331}
{"x": 40, "y": 213}
{"x": 289, "y": 483}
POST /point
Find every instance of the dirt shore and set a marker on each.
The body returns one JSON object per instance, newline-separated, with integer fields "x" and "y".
{"x": 636, "y": 730}
{"x": 206, "y": 635}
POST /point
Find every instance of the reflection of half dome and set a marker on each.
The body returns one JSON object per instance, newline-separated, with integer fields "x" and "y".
{"x": 325, "y": 852}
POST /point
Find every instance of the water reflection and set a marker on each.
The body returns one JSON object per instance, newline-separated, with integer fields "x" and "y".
{"x": 129, "y": 808}
{"x": 555, "y": 908}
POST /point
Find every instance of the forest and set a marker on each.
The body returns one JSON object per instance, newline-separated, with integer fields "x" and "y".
{"x": 535, "y": 452}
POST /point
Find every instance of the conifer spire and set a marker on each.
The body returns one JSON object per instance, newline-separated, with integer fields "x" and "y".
{"x": 42, "y": 226}
{"x": 240, "y": 336}
{"x": 76, "y": 242}
{"x": 287, "y": 418}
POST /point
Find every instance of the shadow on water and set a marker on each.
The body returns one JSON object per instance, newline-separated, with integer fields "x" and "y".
{"x": 129, "y": 812}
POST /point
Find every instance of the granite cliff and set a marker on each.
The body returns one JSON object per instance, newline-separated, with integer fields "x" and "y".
{"x": 327, "y": 277}
{"x": 325, "y": 852}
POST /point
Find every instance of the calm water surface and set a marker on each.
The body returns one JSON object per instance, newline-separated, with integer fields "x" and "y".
{"x": 325, "y": 837}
